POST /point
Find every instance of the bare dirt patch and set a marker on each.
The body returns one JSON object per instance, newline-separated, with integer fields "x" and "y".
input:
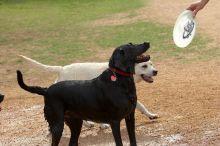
{"x": 186, "y": 96}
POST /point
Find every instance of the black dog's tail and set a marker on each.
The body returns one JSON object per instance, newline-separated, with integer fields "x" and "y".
{"x": 32, "y": 89}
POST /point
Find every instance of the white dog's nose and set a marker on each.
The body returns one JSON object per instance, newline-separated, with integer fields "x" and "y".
{"x": 155, "y": 72}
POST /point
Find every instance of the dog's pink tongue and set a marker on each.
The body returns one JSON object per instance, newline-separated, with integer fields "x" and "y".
{"x": 148, "y": 79}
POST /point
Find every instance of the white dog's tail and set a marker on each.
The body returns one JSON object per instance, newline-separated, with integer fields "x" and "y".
{"x": 56, "y": 69}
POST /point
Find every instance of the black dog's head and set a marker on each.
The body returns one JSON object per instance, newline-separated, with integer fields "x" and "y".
{"x": 125, "y": 56}
{"x": 1, "y": 98}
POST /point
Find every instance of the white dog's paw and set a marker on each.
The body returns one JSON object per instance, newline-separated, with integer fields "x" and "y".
{"x": 89, "y": 124}
{"x": 104, "y": 126}
{"x": 153, "y": 116}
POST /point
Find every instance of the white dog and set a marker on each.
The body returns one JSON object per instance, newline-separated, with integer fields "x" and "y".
{"x": 86, "y": 71}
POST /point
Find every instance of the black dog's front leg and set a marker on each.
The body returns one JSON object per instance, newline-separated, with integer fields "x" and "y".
{"x": 130, "y": 124}
{"x": 115, "y": 125}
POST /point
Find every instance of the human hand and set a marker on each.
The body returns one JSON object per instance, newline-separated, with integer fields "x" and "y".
{"x": 197, "y": 6}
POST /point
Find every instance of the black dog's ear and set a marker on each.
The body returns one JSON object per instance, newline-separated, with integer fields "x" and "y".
{"x": 130, "y": 43}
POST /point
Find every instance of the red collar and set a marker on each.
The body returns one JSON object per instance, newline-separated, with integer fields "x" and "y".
{"x": 126, "y": 74}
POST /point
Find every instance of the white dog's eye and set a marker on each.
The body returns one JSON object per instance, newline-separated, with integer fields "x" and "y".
{"x": 144, "y": 66}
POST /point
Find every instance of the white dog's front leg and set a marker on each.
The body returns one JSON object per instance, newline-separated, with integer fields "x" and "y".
{"x": 144, "y": 110}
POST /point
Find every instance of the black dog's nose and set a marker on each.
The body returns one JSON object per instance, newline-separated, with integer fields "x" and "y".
{"x": 147, "y": 44}
{"x": 155, "y": 72}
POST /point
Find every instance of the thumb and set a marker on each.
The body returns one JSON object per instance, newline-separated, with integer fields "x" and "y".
{"x": 195, "y": 12}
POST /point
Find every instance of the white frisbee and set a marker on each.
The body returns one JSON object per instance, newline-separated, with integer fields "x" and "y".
{"x": 184, "y": 29}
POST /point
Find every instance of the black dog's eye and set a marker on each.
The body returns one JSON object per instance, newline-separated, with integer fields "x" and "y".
{"x": 122, "y": 52}
{"x": 144, "y": 66}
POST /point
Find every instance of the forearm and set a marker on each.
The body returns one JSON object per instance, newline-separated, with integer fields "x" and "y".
{"x": 204, "y": 2}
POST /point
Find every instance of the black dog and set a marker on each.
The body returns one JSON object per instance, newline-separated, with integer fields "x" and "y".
{"x": 1, "y": 99}
{"x": 108, "y": 98}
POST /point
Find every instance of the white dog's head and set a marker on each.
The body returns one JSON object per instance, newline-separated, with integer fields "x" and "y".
{"x": 144, "y": 71}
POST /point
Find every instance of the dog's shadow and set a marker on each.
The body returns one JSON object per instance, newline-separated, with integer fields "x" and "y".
{"x": 101, "y": 138}
{"x": 105, "y": 137}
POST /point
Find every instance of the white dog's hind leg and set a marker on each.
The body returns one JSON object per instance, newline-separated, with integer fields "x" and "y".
{"x": 104, "y": 126}
{"x": 88, "y": 124}
{"x": 144, "y": 110}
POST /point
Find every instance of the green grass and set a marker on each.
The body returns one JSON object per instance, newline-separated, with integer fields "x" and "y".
{"x": 160, "y": 37}
{"x": 50, "y": 29}
{"x": 57, "y": 31}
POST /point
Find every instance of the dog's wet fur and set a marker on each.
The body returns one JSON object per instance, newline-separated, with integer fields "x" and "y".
{"x": 100, "y": 99}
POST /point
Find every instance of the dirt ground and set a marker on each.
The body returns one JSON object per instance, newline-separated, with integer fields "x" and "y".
{"x": 185, "y": 95}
